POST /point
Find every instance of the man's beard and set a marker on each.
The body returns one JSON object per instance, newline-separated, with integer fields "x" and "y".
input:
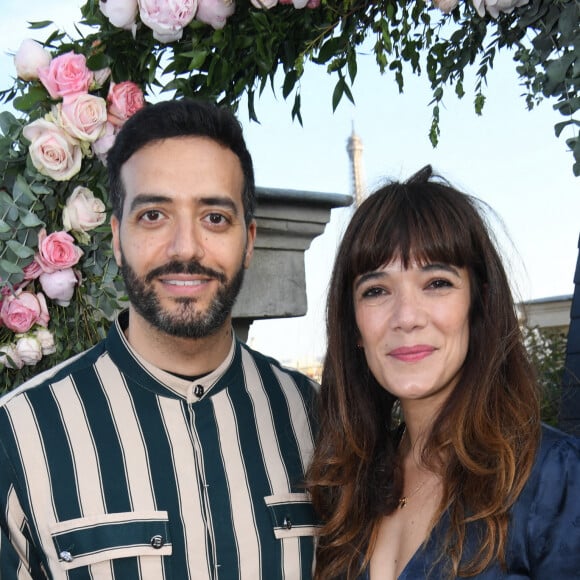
{"x": 186, "y": 322}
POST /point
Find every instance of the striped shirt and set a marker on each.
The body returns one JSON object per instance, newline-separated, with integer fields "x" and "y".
{"x": 113, "y": 469}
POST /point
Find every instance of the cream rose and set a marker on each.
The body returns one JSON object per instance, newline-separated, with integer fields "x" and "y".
{"x": 83, "y": 116}
{"x": 46, "y": 340}
{"x": 83, "y": 211}
{"x": 29, "y": 58}
{"x": 52, "y": 151}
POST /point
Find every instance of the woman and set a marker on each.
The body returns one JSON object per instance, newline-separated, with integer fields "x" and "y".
{"x": 422, "y": 325}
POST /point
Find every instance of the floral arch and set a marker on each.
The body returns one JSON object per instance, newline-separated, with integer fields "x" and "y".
{"x": 59, "y": 283}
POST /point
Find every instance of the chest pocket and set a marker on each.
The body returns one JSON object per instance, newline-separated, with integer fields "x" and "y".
{"x": 94, "y": 539}
{"x": 292, "y": 515}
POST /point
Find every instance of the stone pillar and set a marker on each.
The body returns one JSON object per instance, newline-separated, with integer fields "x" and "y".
{"x": 570, "y": 401}
{"x": 275, "y": 283}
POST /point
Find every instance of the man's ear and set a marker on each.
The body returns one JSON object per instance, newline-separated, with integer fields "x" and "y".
{"x": 115, "y": 227}
{"x": 251, "y": 237}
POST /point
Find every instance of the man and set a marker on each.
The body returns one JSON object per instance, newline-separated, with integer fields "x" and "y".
{"x": 170, "y": 449}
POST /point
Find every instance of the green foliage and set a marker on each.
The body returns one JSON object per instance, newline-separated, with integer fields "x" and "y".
{"x": 547, "y": 351}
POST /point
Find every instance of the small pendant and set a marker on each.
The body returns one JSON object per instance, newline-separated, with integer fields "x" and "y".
{"x": 402, "y": 502}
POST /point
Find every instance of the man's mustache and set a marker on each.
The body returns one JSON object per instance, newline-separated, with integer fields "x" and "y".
{"x": 191, "y": 267}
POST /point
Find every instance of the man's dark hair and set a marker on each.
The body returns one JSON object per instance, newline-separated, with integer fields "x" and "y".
{"x": 179, "y": 118}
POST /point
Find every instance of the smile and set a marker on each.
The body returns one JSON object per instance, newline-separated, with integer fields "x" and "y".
{"x": 185, "y": 282}
{"x": 412, "y": 353}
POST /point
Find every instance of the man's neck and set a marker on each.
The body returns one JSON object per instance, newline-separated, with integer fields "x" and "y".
{"x": 182, "y": 356}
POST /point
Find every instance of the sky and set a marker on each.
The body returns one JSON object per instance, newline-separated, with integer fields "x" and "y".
{"x": 509, "y": 157}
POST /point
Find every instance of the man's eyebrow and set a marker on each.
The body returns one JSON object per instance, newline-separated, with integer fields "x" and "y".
{"x": 220, "y": 201}
{"x": 147, "y": 199}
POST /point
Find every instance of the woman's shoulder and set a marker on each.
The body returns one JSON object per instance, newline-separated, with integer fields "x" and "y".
{"x": 557, "y": 465}
{"x": 557, "y": 446}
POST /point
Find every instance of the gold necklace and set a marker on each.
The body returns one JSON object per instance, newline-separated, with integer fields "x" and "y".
{"x": 404, "y": 499}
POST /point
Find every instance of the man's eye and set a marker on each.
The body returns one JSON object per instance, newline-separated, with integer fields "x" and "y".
{"x": 216, "y": 219}
{"x": 151, "y": 216}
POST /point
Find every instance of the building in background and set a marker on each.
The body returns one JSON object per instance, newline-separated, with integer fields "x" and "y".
{"x": 354, "y": 148}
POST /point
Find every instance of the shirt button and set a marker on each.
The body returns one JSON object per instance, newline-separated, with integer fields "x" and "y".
{"x": 157, "y": 541}
{"x": 287, "y": 523}
{"x": 199, "y": 391}
{"x": 66, "y": 556}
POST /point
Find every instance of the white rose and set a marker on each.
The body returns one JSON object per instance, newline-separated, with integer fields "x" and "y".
{"x": 494, "y": 7}
{"x": 446, "y": 6}
{"x": 100, "y": 77}
{"x": 46, "y": 340}
{"x": 167, "y": 18}
{"x": 59, "y": 285}
{"x": 30, "y": 57}
{"x": 9, "y": 357}
{"x": 267, "y": 4}
{"x": 121, "y": 13}
{"x": 29, "y": 350}
{"x": 83, "y": 211}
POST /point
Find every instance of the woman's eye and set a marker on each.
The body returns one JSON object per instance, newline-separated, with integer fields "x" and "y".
{"x": 440, "y": 283}
{"x": 373, "y": 292}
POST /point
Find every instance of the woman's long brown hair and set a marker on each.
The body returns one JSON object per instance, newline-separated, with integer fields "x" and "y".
{"x": 488, "y": 430}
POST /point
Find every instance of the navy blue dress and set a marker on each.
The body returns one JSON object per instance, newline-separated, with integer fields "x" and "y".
{"x": 544, "y": 533}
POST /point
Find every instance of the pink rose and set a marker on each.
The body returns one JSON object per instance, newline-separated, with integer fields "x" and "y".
{"x": 67, "y": 74}
{"x": 267, "y": 4}
{"x": 30, "y": 57}
{"x": 59, "y": 285}
{"x": 83, "y": 116}
{"x": 446, "y": 6}
{"x": 29, "y": 350}
{"x": 32, "y": 271}
{"x": 124, "y": 100}
{"x": 102, "y": 145}
{"x": 215, "y": 12}
{"x": 22, "y": 311}
{"x": 83, "y": 211}
{"x": 52, "y": 151}
{"x": 57, "y": 251}
{"x": 167, "y": 18}
{"x": 121, "y": 13}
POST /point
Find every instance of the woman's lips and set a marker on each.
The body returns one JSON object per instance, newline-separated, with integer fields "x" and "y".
{"x": 412, "y": 353}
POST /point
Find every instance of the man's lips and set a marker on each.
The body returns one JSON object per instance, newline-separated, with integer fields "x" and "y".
{"x": 412, "y": 353}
